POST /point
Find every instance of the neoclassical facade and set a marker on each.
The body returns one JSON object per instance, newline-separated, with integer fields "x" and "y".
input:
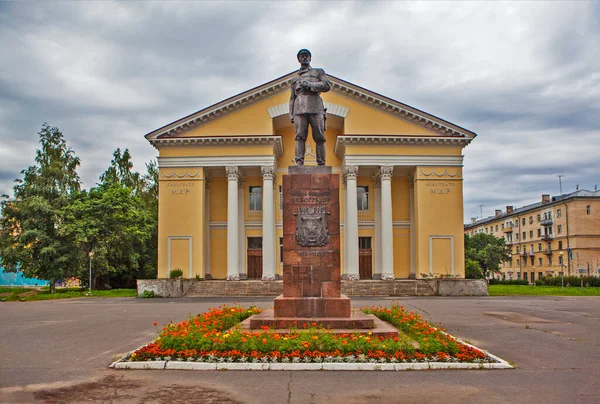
{"x": 401, "y": 200}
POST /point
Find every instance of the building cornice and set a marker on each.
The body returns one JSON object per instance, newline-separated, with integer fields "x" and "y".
{"x": 268, "y": 140}
{"x": 403, "y": 140}
{"x": 339, "y": 86}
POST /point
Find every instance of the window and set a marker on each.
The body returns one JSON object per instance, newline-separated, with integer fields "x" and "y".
{"x": 519, "y": 275}
{"x": 517, "y": 236}
{"x": 255, "y": 198}
{"x": 532, "y": 261}
{"x": 280, "y": 247}
{"x": 588, "y": 209}
{"x": 525, "y": 275}
{"x": 486, "y": 230}
{"x": 550, "y": 260}
{"x": 362, "y": 197}
{"x": 559, "y": 228}
{"x": 539, "y": 232}
{"x": 530, "y": 233}
{"x": 549, "y": 230}
{"x": 558, "y": 213}
{"x": 524, "y": 235}
{"x": 531, "y": 248}
{"x": 496, "y": 227}
{"x": 545, "y": 216}
{"x": 364, "y": 243}
{"x": 254, "y": 243}
{"x": 560, "y": 245}
{"x": 281, "y": 198}
{"x": 540, "y": 261}
{"x": 530, "y": 219}
{"x": 540, "y": 275}
{"x": 540, "y": 247}
{"x": 538, "y": 217}
{"x": 523, "y": 221}
{"x": 524, "y": 261}
{"x": 532, "y": 276}
{"x": 517, "y": 250}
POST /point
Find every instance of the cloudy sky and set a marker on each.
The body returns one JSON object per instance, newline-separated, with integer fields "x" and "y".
{"x": 524, "y": 76}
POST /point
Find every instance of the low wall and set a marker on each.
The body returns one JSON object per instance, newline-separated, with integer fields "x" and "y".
{"x": 218, "y": 288}
{"x": 164, "y": 287}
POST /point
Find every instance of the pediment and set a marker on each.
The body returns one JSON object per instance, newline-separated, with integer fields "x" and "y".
{"x": 434, "y": 125}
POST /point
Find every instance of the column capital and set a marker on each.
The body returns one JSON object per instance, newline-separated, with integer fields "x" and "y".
{"x": 233, "y": 173}
{"x": 268, "y": 172}
{"x": 386, "y": 172}
{"x": 350, "y": 172}
{"x": 376, "y": 180}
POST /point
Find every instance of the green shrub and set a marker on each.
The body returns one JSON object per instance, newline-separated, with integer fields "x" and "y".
{"x": 509, "y": 282}
{"x": 574, "y": 281}
{"x": 148, "y": 294}
{"x": 176, "y": 273}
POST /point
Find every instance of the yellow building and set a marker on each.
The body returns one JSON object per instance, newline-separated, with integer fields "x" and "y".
{"x": 558, "y": 234}
{"x": 220, "y": 213}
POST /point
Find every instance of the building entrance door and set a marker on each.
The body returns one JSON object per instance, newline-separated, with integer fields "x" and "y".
{"x": 255, "y": 258}
{"x": 365, "y": 258}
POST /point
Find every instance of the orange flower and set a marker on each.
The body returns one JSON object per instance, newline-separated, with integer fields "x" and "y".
{"x": 264, "y": 341}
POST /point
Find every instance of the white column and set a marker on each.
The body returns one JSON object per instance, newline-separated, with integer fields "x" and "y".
{"x": 268, "y": 228}
{"x": 351, "y": 270}
{"x": 207, "y": 229}
{"x": 232, "y": 223}
{"x": 413, "y": 249}
{"x": 377, "y": 235}
{"x": 345, "y": 196}
{"x": 241, "y": 228}
{"x": 387, "y": 230}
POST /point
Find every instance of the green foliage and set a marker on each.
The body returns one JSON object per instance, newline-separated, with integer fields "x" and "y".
{"x": 488, "y": 250}
{"x": 29, "y": 294}
{"x": 509, "y": 282}
{"x": 473, "y": 269}
{"x": 31, "y": 227}
{"x": 148, "y": 294}
{"x": 176, "y": 273}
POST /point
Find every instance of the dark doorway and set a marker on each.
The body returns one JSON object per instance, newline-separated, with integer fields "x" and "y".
{"x": 255, "y": 258}
{"x": 365, "y": 258}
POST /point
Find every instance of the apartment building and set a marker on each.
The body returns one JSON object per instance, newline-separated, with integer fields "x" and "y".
{"x": 557, "y": 234}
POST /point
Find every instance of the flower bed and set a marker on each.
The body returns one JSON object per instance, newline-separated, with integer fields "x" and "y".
{"x": 214, "y": 337}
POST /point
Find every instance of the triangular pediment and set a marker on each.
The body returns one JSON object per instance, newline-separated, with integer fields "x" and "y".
{"x": 274, "y": 90}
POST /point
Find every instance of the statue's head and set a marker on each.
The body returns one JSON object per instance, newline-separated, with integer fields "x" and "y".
{"x": 304, "y": 57}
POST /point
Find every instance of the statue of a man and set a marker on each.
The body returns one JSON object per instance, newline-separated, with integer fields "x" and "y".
{"x": 306, "y": 106}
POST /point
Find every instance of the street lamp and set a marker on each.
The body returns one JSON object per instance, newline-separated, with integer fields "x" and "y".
{"x": 533, "y": 269}
{"x": 562, "y": 270}
{"x": 90, "y": 254}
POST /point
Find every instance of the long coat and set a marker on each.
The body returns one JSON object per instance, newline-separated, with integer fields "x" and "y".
{"x": 308, "y": 101}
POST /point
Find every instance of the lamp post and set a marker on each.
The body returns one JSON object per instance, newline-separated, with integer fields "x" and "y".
{"x": 533, "y": 269}
{"x": 90, "y": 254}
{"x": 562, "y": 271}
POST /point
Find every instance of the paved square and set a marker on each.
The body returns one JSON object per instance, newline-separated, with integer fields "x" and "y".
{"x": 60, "y": 350}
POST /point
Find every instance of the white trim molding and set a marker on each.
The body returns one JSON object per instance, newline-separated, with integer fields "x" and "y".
{"x": 215, "y": 161}
{"x": 431, "y": 238}
{"x": 241, "y": 140}
{"x": 397, "y": 140}
{"x": 401, "y": 160}
{"x": 189, "y": 239}
{"x": 332, "y": 109}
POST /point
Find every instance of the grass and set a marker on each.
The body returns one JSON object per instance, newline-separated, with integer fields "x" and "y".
{"x": 32, "y": 294}
{"x": 516, "y": 290}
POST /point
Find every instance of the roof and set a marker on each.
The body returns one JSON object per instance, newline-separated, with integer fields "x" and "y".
{"x": 340, "y": 86}
{"x": 582, "y": 193}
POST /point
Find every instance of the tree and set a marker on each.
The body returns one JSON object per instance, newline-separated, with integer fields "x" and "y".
{"x": 487, "y": 250}
{"x": 112, "y": 223}
{"x": 31, "y": 227}
{"x": 120, "y": 172}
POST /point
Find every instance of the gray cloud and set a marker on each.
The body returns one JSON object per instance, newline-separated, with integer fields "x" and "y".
{"x": 524, "y": 76}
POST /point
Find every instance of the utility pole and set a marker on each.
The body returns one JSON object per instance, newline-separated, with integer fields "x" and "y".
{"x": 560, "y": 182}
{"x": 481, "y": 211}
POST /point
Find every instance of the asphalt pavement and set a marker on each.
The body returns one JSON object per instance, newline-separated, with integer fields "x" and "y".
{"x": 59, "y": 352}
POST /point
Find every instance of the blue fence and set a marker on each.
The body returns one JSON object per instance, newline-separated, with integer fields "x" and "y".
{"x": 17, "y": 279}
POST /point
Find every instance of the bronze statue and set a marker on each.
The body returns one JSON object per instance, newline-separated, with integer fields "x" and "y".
{"x": 306, "y": 106}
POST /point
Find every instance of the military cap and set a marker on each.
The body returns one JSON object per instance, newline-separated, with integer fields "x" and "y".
{"x": 302, "y": 51}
